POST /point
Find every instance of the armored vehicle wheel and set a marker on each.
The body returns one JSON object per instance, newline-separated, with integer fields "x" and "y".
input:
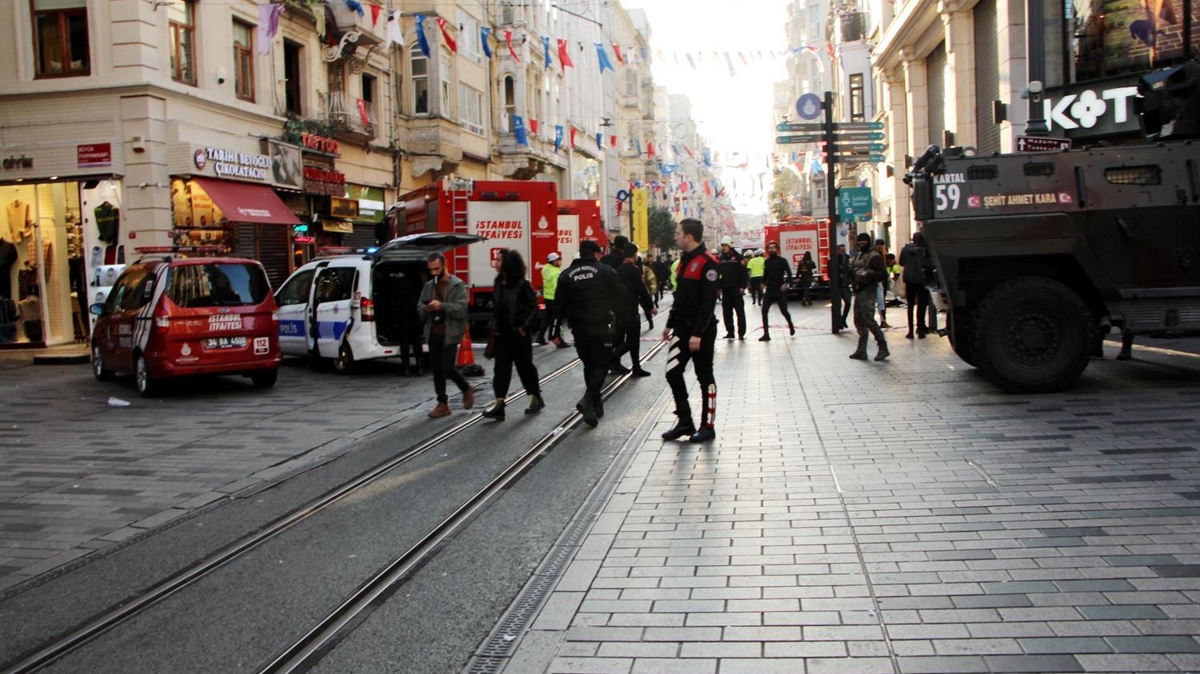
{"x": 1032, "y": 335}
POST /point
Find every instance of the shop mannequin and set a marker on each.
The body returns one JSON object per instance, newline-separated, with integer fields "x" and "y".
{"x": 20, "y": 219}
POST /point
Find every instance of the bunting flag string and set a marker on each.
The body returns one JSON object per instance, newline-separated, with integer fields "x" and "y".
{"x": 508, "y": 41}
{"x": 518, "y": 123}
{"x": 546, "y": 51}
{"x": 422, "y": 41}
{"x": 446, "y": 36}
{"x": 563, "y": 57}
{"x": 617, "y": 52}
{"x": 485, "y": 35}
{"x": 558, "y": 137}
{"x": 394, "y": 34}
{"x": 604, "y": 62}
{"x": 375, "y": 9}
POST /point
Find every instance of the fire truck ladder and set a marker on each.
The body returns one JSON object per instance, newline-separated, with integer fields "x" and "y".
{"x": 823, "y": 245}
{"x": 458, "y": 220}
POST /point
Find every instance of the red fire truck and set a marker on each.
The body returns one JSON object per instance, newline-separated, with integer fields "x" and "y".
{"x": 510, "y": 214}
{"x": 578, "y": 221}
{"x": 797, "y": 235}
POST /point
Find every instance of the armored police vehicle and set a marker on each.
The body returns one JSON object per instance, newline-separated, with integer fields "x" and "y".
{"x": 1039, "y": 255}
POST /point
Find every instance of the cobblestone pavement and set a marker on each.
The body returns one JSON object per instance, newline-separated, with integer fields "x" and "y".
{"x": 78, "y": 475}
{"x": 896, "y": 517}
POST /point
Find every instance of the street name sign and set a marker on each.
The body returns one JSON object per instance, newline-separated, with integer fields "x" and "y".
{"x": 1042, "y": 144}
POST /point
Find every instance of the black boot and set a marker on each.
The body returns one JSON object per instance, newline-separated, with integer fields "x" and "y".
{"x": 494, "y": 411}
{"x": 706, "y": 434}
{"x": 587, "y": 409}
{"x": 683, "y": 426}
{"x": 536, "y": 404}
{"x": 883, "y": 352}
{"x": 861, "y": 353}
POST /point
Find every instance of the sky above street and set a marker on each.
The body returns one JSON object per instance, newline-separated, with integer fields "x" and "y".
{"x": 734, "y": 113}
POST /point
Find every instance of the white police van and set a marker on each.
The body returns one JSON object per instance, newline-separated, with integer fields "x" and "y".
{"x": 358, "y": 306}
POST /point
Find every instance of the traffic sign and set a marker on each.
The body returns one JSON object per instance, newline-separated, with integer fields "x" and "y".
{"x": 1042, "y": 144}
{"x": 869, "y": 126}
{"x": 808, "y": 106}
{"x": 791, "y": 127}
{"x": 854, "y": 202}
{"x": 859, "y": 146}
{"x": 788, "y": 140}
{"x": 876, "y": 158}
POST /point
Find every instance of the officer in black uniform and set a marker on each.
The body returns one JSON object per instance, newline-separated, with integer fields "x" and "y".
{"x": 694, "y": 328}
{"x": 734, "y": 280}
{"x": 586, "y": 298}
{"x": 629, "y": 322}
{"x": 616, "y": 252}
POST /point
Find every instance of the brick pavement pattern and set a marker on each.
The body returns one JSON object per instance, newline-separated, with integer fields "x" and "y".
{"x": 898, "y": 517}
{"x": 77, "y": 475}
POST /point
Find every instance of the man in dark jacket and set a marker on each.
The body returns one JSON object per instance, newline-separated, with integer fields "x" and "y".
{"x": 734, "y": 280}
{"x": 777, "y": 276}
{"x": 616, "y": 252}
{"x": 694, "y": 330}
{"x": 629, "y": 323}
{"x": 914, "y": 259}
{"x": 586, "y": 298}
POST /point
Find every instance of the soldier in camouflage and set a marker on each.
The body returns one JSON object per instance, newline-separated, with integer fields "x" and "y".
{"x": 867, "y": 270}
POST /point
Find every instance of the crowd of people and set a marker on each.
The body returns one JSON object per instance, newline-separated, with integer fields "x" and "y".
{"x": 603, "y": 296}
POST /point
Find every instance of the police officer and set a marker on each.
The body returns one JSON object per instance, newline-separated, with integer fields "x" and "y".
{"x": 777, "y": 276}
{"x": 616, "y": 252}
{"x": 550, "y": 274}
{"x": 629, "y": 323}
{"x": 867, "y": 271}
{"x": 586, "y": 297}
{"x": 734, "y": 279}
{"x": 694, "y": 328}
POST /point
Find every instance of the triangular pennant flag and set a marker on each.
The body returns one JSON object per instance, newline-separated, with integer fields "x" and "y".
{"x": 639, "y": 146}
{"x": 563, "y": 57}
{"x": 729, "y": 62}
{"x": 558, "y": 137}
{"x": 572, "y": 136}
{"x": 650, "y": 148}
{"x": 612, "y": 141}
{"x": 690, "y": 61}
{"x": 485, "y": 35}
{"x": 546, "y": 50}
{"x": 446, "y": 36}
{"x": 422, "y": 41}
{"x": 599, "y": 141}
{"x": 375, "y": 9}
{"x": 604, "y": 62}
{"x": 533, "y": 127}
{"x": 268, "y": 26}
{"x": 511, "y": 51}
{"x": 617, "y": 51}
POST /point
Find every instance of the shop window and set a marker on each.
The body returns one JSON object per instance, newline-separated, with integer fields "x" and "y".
{"x": 182, "y": 17}
{"x": 243, "y": 61}
{"x": 470, "y": 108}
{"x": 420, "y": 80}
{"x": 447, "y": 82}
{"x": 857, "y": 104}
{"x": 295, "y": 291}
{"x": 60, "y": 38}
{"x": 293, "y": 58}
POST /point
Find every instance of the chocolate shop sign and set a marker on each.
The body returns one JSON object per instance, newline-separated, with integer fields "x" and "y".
{"x": 232, "y": 164}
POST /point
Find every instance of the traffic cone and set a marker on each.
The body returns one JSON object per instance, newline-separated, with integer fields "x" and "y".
{"x": 465, "y": 356}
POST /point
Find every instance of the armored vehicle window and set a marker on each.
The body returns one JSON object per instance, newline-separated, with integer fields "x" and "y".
{"x": 1134, "y": 175}
{"x": 1040, "y": 168}
{"x": 983, "y": 172}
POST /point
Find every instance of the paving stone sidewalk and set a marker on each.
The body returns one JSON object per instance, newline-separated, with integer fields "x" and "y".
{"x": 896, "y": 517}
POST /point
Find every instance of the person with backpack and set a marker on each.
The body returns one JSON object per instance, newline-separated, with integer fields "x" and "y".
{"x": 806, "y": 268}
{"x": 914, "y": 258}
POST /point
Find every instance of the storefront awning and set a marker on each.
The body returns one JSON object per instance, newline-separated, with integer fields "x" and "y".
{"x": 245, "y": 202}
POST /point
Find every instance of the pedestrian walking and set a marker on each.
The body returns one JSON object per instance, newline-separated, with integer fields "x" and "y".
{"x": 662, "y": 272}
{"x": 628, "y": 338}
{"x": 755, "y": 266}
{"x": 551, "y": 328}
{"x": 587, "y": 293}
{"x": 734, "y": 281}
{"x": 845, "y": 284}
{"x": 882, "y": 286}
{"x": 650, "y": 280}
{"x": 806, "y": 268}
{"x": 914, "y": 261}
{"x": 514, "y": 311}
{"x": 443, "y": 310}
{"x": 692, "y": 329}
{"x": 777, "y": 276}
{"x": 616, "y": 252}
{"x": 868, "y": 272}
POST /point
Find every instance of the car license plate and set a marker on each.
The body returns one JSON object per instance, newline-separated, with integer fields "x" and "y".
{"x": 214, "y": 343}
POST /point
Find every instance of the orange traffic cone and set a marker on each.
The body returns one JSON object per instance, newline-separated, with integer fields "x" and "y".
{"x": 465, "y": 356}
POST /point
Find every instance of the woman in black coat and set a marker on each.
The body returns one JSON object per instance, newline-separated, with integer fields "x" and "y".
{"x": 805, "y": 269}
{"x": 514, "y": 313}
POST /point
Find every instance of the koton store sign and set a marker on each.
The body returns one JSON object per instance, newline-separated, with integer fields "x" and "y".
{"x": 1090, "y": 111}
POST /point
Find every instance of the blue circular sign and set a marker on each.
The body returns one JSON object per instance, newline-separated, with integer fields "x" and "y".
{"x": 622, "y": 195}
{"x": 808, "y": 106}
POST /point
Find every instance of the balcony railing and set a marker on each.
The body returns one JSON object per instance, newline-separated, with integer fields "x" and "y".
{"x": 350, "y": 117}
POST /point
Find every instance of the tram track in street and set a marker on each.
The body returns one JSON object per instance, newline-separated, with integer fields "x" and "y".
{"x": 139, "y": 604}
{"x": 308, "y": 650}
{"x": 167, "y": 587}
